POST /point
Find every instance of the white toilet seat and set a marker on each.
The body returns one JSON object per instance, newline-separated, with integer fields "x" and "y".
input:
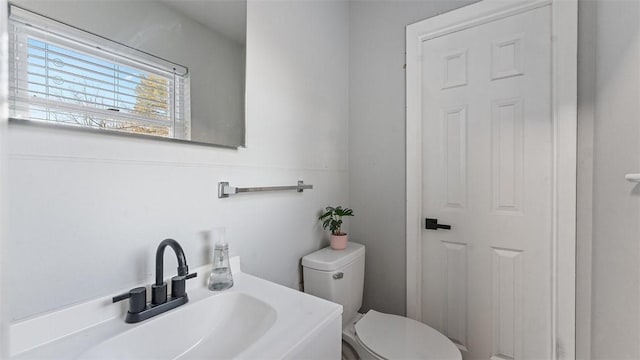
{"x": 386, "y": 336}
{"x": 349, "y": 336}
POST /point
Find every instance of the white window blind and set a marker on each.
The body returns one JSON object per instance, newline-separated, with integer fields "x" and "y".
{"x": 64, "y": 75}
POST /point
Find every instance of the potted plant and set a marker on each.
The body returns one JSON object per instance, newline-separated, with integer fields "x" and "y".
{"x": 332, "y": 219}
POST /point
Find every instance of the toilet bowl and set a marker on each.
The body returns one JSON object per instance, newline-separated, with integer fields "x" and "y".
{"x": 338, "y": 276}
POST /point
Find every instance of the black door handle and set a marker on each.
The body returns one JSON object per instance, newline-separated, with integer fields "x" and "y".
{"x": 432, "y": 224}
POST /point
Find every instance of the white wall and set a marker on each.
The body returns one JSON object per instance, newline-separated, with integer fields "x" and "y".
{"x": 616, "y": 203}
{"x": 215, "y": 62}
{"x": 87, "y": 211}
{"x": 377, "y": 141}
{"x": 4, "y": 74}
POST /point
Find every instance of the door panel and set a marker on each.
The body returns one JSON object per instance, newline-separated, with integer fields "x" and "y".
{"x": 487, "y": 171}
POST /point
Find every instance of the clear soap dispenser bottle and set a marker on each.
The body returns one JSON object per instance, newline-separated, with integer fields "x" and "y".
{"x": 220, "y": 277}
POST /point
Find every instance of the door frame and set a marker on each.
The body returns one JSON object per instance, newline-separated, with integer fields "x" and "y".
{"x": 4, "y": 119}
{"x": 564, "y": 30}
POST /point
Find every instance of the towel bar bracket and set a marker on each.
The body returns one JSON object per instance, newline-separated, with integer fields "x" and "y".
{"x": 632, "y": 178}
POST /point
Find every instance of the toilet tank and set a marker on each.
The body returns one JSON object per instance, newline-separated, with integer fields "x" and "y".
{"x": 336, "y": 275}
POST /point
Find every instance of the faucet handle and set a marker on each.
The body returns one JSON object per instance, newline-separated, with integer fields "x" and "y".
{"x": 178, "y": 284}
{"x": 137, "y": 299}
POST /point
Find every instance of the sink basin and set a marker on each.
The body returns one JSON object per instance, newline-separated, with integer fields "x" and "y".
{"x": 195, "y": 332}
{"x": 255, "y": 319}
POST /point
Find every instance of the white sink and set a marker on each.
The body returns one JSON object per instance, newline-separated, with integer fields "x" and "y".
{"x": 196, "y": 332}
{"x": 255, "y": 319}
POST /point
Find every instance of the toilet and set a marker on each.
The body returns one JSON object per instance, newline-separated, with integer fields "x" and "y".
{"x": 338, "y": 276}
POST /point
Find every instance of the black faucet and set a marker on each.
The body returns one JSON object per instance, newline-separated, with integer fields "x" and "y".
{"x": 138, "y": 308}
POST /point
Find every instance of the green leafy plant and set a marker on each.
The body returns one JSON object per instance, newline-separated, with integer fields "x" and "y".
{"x": 332, "y": 218}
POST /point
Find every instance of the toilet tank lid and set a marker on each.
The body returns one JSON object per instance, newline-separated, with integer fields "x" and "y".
{"x": 327, "y": 259}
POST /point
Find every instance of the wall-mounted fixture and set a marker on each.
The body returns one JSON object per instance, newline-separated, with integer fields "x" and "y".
{"x": 139, "y": 310}
{"x": 224, "y": 189}
{"x": 84, "y": 65}
{"x": 632, "y": 178}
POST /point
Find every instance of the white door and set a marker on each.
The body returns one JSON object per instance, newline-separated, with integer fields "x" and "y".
{"x": 487, "y": 157}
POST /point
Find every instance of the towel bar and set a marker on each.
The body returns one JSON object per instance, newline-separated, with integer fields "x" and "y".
{"x": 224, "y": 189}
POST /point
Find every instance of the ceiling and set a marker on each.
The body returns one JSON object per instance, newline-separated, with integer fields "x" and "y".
{"x": 227, "y": 17}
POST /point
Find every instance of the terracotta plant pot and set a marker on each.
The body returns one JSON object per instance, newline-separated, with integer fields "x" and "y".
{"x": 338, "y": 242}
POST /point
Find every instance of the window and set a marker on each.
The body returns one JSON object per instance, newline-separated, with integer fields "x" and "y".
{"x": 60, "y": 74}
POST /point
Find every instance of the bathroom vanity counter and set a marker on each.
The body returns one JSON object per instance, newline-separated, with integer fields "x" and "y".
{"x": 253, "y": 319}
